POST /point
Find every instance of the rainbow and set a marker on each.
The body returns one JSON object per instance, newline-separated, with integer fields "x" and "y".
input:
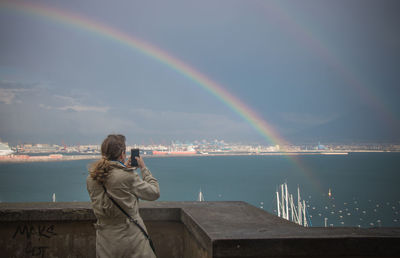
{"x": 215, "y": 89}
{"x": 80, "y": 22}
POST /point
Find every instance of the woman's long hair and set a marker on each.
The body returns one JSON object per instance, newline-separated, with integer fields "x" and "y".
{"x": 111, "y": 149}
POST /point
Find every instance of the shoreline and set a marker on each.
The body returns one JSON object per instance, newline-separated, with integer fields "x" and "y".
{"x": 60, "y": 157}
{"x": 49, "y": 158}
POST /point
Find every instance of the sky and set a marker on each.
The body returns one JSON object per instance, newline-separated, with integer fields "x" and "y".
{"x": 311, "y": 70}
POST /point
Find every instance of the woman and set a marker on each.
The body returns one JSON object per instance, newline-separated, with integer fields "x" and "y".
{"x": 116, "y": 236}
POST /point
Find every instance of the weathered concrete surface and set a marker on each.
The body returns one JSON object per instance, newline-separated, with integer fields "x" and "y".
{"x": 47, "y": 239}
{"x": 168, "y": 237}
{"x": 187, "y": 229}
{"x": 237, "y": 229}
{"x": 192, "y": 248}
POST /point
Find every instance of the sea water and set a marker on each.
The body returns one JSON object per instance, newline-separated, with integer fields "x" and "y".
{"x": 364, "y": 186}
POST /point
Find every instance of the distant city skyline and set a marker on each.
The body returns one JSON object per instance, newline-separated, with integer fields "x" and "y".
{"x": 298, "y": 72}
{"x": 220, "y": 143}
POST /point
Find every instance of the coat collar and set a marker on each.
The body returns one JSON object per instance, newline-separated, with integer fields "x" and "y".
{"x": 118, "y": 164}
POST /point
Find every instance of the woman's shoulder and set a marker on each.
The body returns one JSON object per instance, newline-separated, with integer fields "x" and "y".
{"x": 121, "y": 177}
{"x": 119, "y": 170}
{"x": 116, "y": 165}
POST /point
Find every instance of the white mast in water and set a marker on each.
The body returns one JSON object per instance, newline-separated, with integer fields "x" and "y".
{"x": 298, "y": 215}
{"x": 201, "y": 197}
{"x": 304, "y": 214}
{"x": 277, "y": 203}
{"x": 283, "y": 202}
{"x": 287, "y": 203}
{"x": 54, "y": 197}
{"x": 300, "y": 218}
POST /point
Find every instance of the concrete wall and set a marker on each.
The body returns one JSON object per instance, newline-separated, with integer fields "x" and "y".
{"x": 187, "y": 229}
{"x": 47, "y": 239}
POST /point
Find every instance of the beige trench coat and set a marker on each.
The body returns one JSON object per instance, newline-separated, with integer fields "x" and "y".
{"x": 116, "y": 236}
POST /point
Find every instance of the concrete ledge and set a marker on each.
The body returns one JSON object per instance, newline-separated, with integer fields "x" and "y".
{"x": 46, "y": 211}
{"x": 194, "y": 229}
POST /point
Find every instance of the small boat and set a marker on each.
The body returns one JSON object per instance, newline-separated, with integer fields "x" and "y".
{"x": 201, "y": 197}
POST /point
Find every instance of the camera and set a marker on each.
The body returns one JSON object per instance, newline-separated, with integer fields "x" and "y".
{"x": 134, "y": 153}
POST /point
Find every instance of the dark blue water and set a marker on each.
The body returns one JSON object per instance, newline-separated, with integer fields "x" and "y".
{"x": 365, "y": 186}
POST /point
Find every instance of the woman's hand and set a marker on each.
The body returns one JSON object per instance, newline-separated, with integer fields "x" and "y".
{"x": 140, "y": 162}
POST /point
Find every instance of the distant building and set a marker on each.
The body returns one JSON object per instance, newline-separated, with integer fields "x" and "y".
{"x": 5, "y": 149}
{"x": 321, "y": 147}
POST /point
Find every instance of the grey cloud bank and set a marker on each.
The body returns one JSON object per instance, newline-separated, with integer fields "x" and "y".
{"x": 294, "y": 63}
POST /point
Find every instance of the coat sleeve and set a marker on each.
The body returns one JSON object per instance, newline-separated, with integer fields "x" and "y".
{"x": 146, "y": 188}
